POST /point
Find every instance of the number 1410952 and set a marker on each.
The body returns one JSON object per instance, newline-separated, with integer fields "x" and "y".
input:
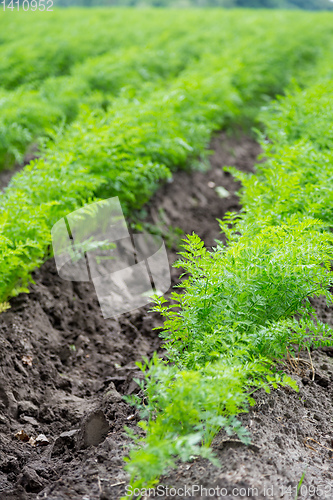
{"x": 28, "y": 5}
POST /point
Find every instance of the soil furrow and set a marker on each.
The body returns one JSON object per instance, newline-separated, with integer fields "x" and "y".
{"x": 64, "y": 369}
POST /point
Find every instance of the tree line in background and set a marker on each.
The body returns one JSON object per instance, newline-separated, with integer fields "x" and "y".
{"x": 271, "y": 4}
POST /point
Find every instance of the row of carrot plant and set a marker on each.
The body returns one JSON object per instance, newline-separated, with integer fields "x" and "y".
{"x": 127, "y": 149}
{"x": 124, "y": 102}
{"x": 244, "y": 304}
{"x": 43, "y": 86}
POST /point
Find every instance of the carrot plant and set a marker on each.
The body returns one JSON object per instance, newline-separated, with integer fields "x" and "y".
{"x": 132, "y": 123}
{"x": 131, "y": 147}
{"x": 28, "y": 114}
{"x": 296, "y": 178}
{"x": 42, "y": 91}
{"x": 70, "y": 36}
{"x": 245, "y": 304}
{"x": 264, "y": 276}
{"x": 222, "y": 332}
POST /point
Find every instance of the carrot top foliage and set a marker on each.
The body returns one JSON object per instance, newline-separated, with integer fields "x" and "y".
{"x": 243, "y": 306}
{"x": 117, "y": 122}
{"x": 127, "y": 98}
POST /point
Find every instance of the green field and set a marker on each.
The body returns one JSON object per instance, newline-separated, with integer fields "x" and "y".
{"x": 119, "y": 101}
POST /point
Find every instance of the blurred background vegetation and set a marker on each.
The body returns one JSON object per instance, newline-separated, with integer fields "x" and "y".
{"x": 267, "y": 4}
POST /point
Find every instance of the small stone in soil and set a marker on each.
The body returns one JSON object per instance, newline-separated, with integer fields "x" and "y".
{"x": 41, "y": 440}
{"x": 66, "y": 440}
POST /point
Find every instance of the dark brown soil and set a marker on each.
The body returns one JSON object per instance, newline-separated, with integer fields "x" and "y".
{"x": 64, "y": 369}
{"x": 7, "y": 173}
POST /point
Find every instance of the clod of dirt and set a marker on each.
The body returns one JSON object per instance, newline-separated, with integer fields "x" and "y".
{"x": 30, "y": 420}
{"x": 8, "y": 401}
{"x": 94, "y": 430}
{"x": 322, "y": 381}
{"x": 65, "y": 442}
{"x": 112, "y": 395}
{"x": 28, "y": 408}
{"x": 30, "y": 480}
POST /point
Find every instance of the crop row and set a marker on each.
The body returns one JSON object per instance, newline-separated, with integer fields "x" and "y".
{"x": 38, "y": 107}
{"x": 28, "y": 115}
{"x": 36, "y": 45}
{"x": 44, "y": 85}
{"x": 129, "y": 148}
{"x": 236, "y": 315}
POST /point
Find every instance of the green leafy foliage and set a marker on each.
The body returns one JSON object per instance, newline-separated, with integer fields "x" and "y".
{"x": 296, "y": 178}
{"x": 239, "y": 291}
{"x": 245, "y": 305}
{"x": 234, "y": 316}
{"x": 36, "y": 46}
{"x": 184, "y": 411}
{"x": 29, "y": 113}
{"x": 127, "y": 149}
{"x": 116, "y": 119}
{"x": 42, "y": 91}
